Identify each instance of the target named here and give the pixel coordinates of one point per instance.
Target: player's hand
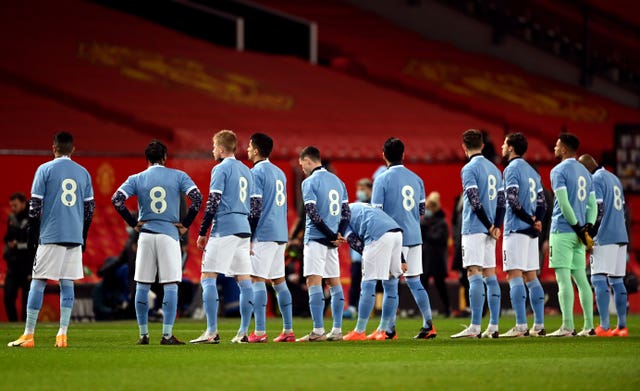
(251, 249)
(404, 267)
(138, 226)
(201, 242)
(537, 226)
(583, 235)
(496, 232)
(181, 228)
(340, 240)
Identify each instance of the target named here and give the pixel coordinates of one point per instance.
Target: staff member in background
(18, 256)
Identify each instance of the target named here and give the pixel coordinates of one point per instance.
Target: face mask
(428, 213)
(362, 196)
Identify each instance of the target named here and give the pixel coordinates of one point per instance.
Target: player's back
(575, 178)
(399, 192)
(271, 184)
(234, 181)
(609, 189)
(370, 223)
(482, 174)
(159, 190)
(328, 193)
(521, 175)
(63, 185)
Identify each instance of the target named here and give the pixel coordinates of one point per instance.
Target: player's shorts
(55, 262)
(228, 255)
(320, 260)
(610, 259)
(520, 252)
(478, 250)
(158, 254)
(382, 257)
(268, 259)
(566, 251)
(413, 257)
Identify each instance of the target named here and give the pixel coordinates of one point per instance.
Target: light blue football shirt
(608, 190)
(522, 176)
(328, 193)
(63, 186)
(234, 181)
(480, 173)
(399, 192)
(270, 184)
(159, 190)
(575, 178)
(369, 223)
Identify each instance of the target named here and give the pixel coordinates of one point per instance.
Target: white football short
(413, 257)
(320, 260)
(55, 262)
(228, 255)
(610, 259)
(268, 259)
(158, 254)
(520, 252)
(478, 250)
(382, 257)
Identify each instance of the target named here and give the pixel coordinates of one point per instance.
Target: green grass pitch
(103, 356)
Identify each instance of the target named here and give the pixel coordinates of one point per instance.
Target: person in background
(18, 256)
(363, 194)
(435, 240)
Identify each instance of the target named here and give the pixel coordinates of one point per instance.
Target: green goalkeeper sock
(565, 297)
(586, 296)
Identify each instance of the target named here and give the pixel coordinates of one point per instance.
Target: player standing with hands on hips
(60, 213)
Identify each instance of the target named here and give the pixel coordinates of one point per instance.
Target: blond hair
(226, 139)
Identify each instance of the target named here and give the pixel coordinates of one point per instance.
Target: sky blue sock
(169, 308)
(620, 298)
(493, 299)
(210, 301)
(142, 307)
(365, 306)
(389, 304)
(536, 298)
(337, 305)
(284, 303)
(66, 302)
(518, 295)
(421, 297)
(601, 290)
(246, 305)
(260, 305)
(316, 305)
(476, 298)
(34, 303)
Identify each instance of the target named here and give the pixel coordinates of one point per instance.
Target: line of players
(246, 214)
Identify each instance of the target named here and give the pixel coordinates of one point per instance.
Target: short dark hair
(519, 143)
(155, 152)
(472, 139)
(311, 152)
(263, 143)
(18, 195)
(570, 141)
(393, 149)
(63, 142)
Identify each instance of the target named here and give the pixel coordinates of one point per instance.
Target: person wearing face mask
(435, 240)
(363, 194)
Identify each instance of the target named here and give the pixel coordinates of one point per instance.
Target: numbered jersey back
(483, 175)
(520, 175)
(159, 190)
(234, 181)
(573, 177)
(64, 186)
(328, 193)
(399, 192)
(270, 184)
(608, 190)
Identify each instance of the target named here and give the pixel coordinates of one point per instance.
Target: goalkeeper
(574, 212)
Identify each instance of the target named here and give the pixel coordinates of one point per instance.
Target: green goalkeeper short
(566, 251)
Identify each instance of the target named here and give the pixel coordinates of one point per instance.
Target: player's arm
(592, 209)
(474, 200)
(541, 206)
(213, 202)
(596, 226)
(254, 212)
(568, 213)
(312, 211)
(118, 200)
(196, 203)
(89, 209)
(345, 216)
(515, 205)
(355, 242)
(33, 228)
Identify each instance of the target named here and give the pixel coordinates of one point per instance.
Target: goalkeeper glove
(583, 235)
